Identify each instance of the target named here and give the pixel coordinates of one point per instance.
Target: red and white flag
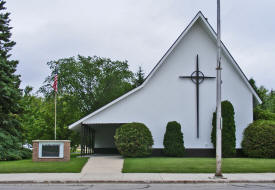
(55, 83)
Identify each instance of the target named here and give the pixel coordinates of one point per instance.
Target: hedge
(259, 139)
(134, 140)
(228, 130)
(173, 140)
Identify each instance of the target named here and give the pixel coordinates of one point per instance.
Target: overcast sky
(139, 31)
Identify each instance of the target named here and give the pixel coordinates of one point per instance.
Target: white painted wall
(166, 97)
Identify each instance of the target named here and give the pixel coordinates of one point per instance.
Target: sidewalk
(134, 178)
(107, 169)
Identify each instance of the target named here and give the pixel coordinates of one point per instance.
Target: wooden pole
(218, 108)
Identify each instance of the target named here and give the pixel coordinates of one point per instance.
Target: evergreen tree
(173, 140)
(139, 77)
(228, 130)
(10, 94)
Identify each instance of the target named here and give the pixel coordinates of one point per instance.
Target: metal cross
(197, 77)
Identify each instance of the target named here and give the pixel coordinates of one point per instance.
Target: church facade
(182, 88)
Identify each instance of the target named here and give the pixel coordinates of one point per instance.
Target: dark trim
(239, 153)
(106, 151)
(199, 152)
(158, 152)
(196, 152)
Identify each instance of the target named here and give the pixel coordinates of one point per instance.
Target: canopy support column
(87, 140)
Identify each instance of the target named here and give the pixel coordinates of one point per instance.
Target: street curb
(135, 181)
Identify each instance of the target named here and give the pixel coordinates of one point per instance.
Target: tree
(88, 82)
(38, 118)
(10, 94)
(31, 119)
(228, 130)
(84, 85)
(267, 97)
(139, 77)
(173, 140)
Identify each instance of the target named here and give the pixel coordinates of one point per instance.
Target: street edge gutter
(135, 181)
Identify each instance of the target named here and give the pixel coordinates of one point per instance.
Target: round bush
(228, 130)
(173, 140)
(259, 139)
(134, 140)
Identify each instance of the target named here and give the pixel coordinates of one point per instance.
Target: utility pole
(218, 108)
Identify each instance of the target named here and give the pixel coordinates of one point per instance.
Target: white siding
(166, 97)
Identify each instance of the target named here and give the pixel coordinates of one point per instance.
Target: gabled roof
(213, 34)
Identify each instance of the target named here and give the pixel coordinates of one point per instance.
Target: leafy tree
(228, 130)
(10, 94)
(260, 114)
(267, 97)
(84, 85)
(271, 101)
(88, 83)
(139, 77)
(32, 118)
(38, 118)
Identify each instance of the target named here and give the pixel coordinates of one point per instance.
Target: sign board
(50, 150)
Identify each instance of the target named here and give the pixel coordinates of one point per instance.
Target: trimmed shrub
(173, 140)
(228, 130)
(259, 139)
(134, 140)
(26, 153)
(259, 114)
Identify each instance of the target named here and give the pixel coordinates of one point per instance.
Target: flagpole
(54, 115)
(218, 108)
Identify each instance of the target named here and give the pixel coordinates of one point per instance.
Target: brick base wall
(35, 153)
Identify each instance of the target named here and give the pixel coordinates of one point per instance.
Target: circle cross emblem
(197, 77)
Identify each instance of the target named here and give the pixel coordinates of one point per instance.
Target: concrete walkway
(107, 169)
(103, 165)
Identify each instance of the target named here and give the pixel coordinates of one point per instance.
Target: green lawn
(28, 166)
(197, 165)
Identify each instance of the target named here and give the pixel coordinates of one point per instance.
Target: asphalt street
(227, 186)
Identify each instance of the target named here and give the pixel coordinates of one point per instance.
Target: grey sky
(139, 31)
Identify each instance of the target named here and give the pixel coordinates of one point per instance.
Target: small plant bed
(197, 165)
(28, 166)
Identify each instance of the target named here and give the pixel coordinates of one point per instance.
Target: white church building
(182, 88)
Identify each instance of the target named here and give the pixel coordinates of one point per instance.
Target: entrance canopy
(98, 138)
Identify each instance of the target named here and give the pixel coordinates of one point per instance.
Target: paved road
(138, 187)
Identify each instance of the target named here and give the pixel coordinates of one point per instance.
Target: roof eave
(199, 15)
